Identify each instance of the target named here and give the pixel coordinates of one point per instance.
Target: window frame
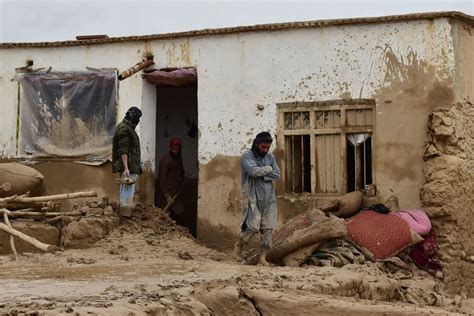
(312, 106)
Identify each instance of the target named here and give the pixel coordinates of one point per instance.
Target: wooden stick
(38, 244)
(12, 239)
(46, 214)
(17, 205)
(49, 197)
(168, 205)
(54, 219)
(23, 210)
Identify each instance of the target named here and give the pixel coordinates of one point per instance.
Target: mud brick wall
(448, 191)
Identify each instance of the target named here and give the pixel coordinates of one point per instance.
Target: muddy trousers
(265, 237)
(127, 191)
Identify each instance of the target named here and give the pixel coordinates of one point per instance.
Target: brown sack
(296, 258)
(303, 230)
(20, 178)
(346, 206)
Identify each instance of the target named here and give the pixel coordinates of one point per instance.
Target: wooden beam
(38, 244)
(12, 239)
(47, 198)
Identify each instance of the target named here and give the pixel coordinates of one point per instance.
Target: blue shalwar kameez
(258, 194)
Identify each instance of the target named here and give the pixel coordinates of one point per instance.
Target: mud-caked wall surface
(448, 191)
(219, 202)
(68, 177)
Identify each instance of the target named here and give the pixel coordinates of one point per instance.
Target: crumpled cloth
(418, 220)
(423, 255)
(336, 253)
(396, 268)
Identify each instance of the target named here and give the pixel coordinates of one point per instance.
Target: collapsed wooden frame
(40, 202)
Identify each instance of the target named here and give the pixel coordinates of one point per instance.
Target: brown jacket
(171, 174)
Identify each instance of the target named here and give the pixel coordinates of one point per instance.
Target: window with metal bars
(328, 145)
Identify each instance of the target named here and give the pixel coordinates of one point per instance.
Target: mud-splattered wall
(463, 34)
(448, 191)
(407, 67)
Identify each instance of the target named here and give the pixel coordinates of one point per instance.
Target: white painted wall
(237, 72)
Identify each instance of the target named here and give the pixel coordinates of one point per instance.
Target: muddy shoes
(238, 249)
(126, 212)
(263, 259)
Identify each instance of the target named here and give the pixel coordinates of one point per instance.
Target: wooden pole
(148, 61)
(12, 239)
(12, 206)
(47, 198)
(38, 244)
(168, 205)
(46, 214)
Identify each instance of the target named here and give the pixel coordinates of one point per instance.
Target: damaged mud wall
(406, 68)
(66, 177)
(448, 191)
(219, 202)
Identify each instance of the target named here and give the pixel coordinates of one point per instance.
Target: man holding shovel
(126, 158)
(171, 179)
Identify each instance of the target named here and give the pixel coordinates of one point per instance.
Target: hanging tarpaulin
(175, 77)
(357, 139)
(67, 114)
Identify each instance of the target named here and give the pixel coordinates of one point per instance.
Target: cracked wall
(448, 191)
(407, 67)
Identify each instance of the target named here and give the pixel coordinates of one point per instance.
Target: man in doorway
(171, 179)
(258, 171)
(126, 158)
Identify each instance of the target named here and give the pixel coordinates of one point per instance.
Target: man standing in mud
(170, 179)
(258, 171)
(126, 158)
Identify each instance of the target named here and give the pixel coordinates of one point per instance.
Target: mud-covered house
(351, 102)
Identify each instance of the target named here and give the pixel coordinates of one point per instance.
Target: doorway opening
(177, 117)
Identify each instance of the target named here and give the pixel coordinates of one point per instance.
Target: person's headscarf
(263, 137)
(176, 141)
(133, 115)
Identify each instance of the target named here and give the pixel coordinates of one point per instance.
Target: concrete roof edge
(253, 28)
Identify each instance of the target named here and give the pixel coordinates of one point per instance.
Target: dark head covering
(133, 115)
(263, 137)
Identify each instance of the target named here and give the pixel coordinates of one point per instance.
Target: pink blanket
(416, 219)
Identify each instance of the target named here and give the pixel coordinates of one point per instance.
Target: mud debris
(149, 265)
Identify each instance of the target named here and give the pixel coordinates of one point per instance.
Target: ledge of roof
(259, 27)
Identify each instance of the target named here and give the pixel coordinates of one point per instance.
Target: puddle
(86, 272)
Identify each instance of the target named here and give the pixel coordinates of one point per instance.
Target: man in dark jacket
(126, 158)
(171, 177)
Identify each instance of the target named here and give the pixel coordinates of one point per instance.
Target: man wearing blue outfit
(258, 171)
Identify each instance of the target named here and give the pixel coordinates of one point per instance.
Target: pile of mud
(150, 217)
(148, 265)
(100, 219)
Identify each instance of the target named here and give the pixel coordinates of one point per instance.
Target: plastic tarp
(68, 114)
(177, 77)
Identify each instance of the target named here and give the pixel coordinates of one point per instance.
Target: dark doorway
(177, 117)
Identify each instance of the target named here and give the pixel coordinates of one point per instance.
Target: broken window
(67, 114)
(328, 145)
